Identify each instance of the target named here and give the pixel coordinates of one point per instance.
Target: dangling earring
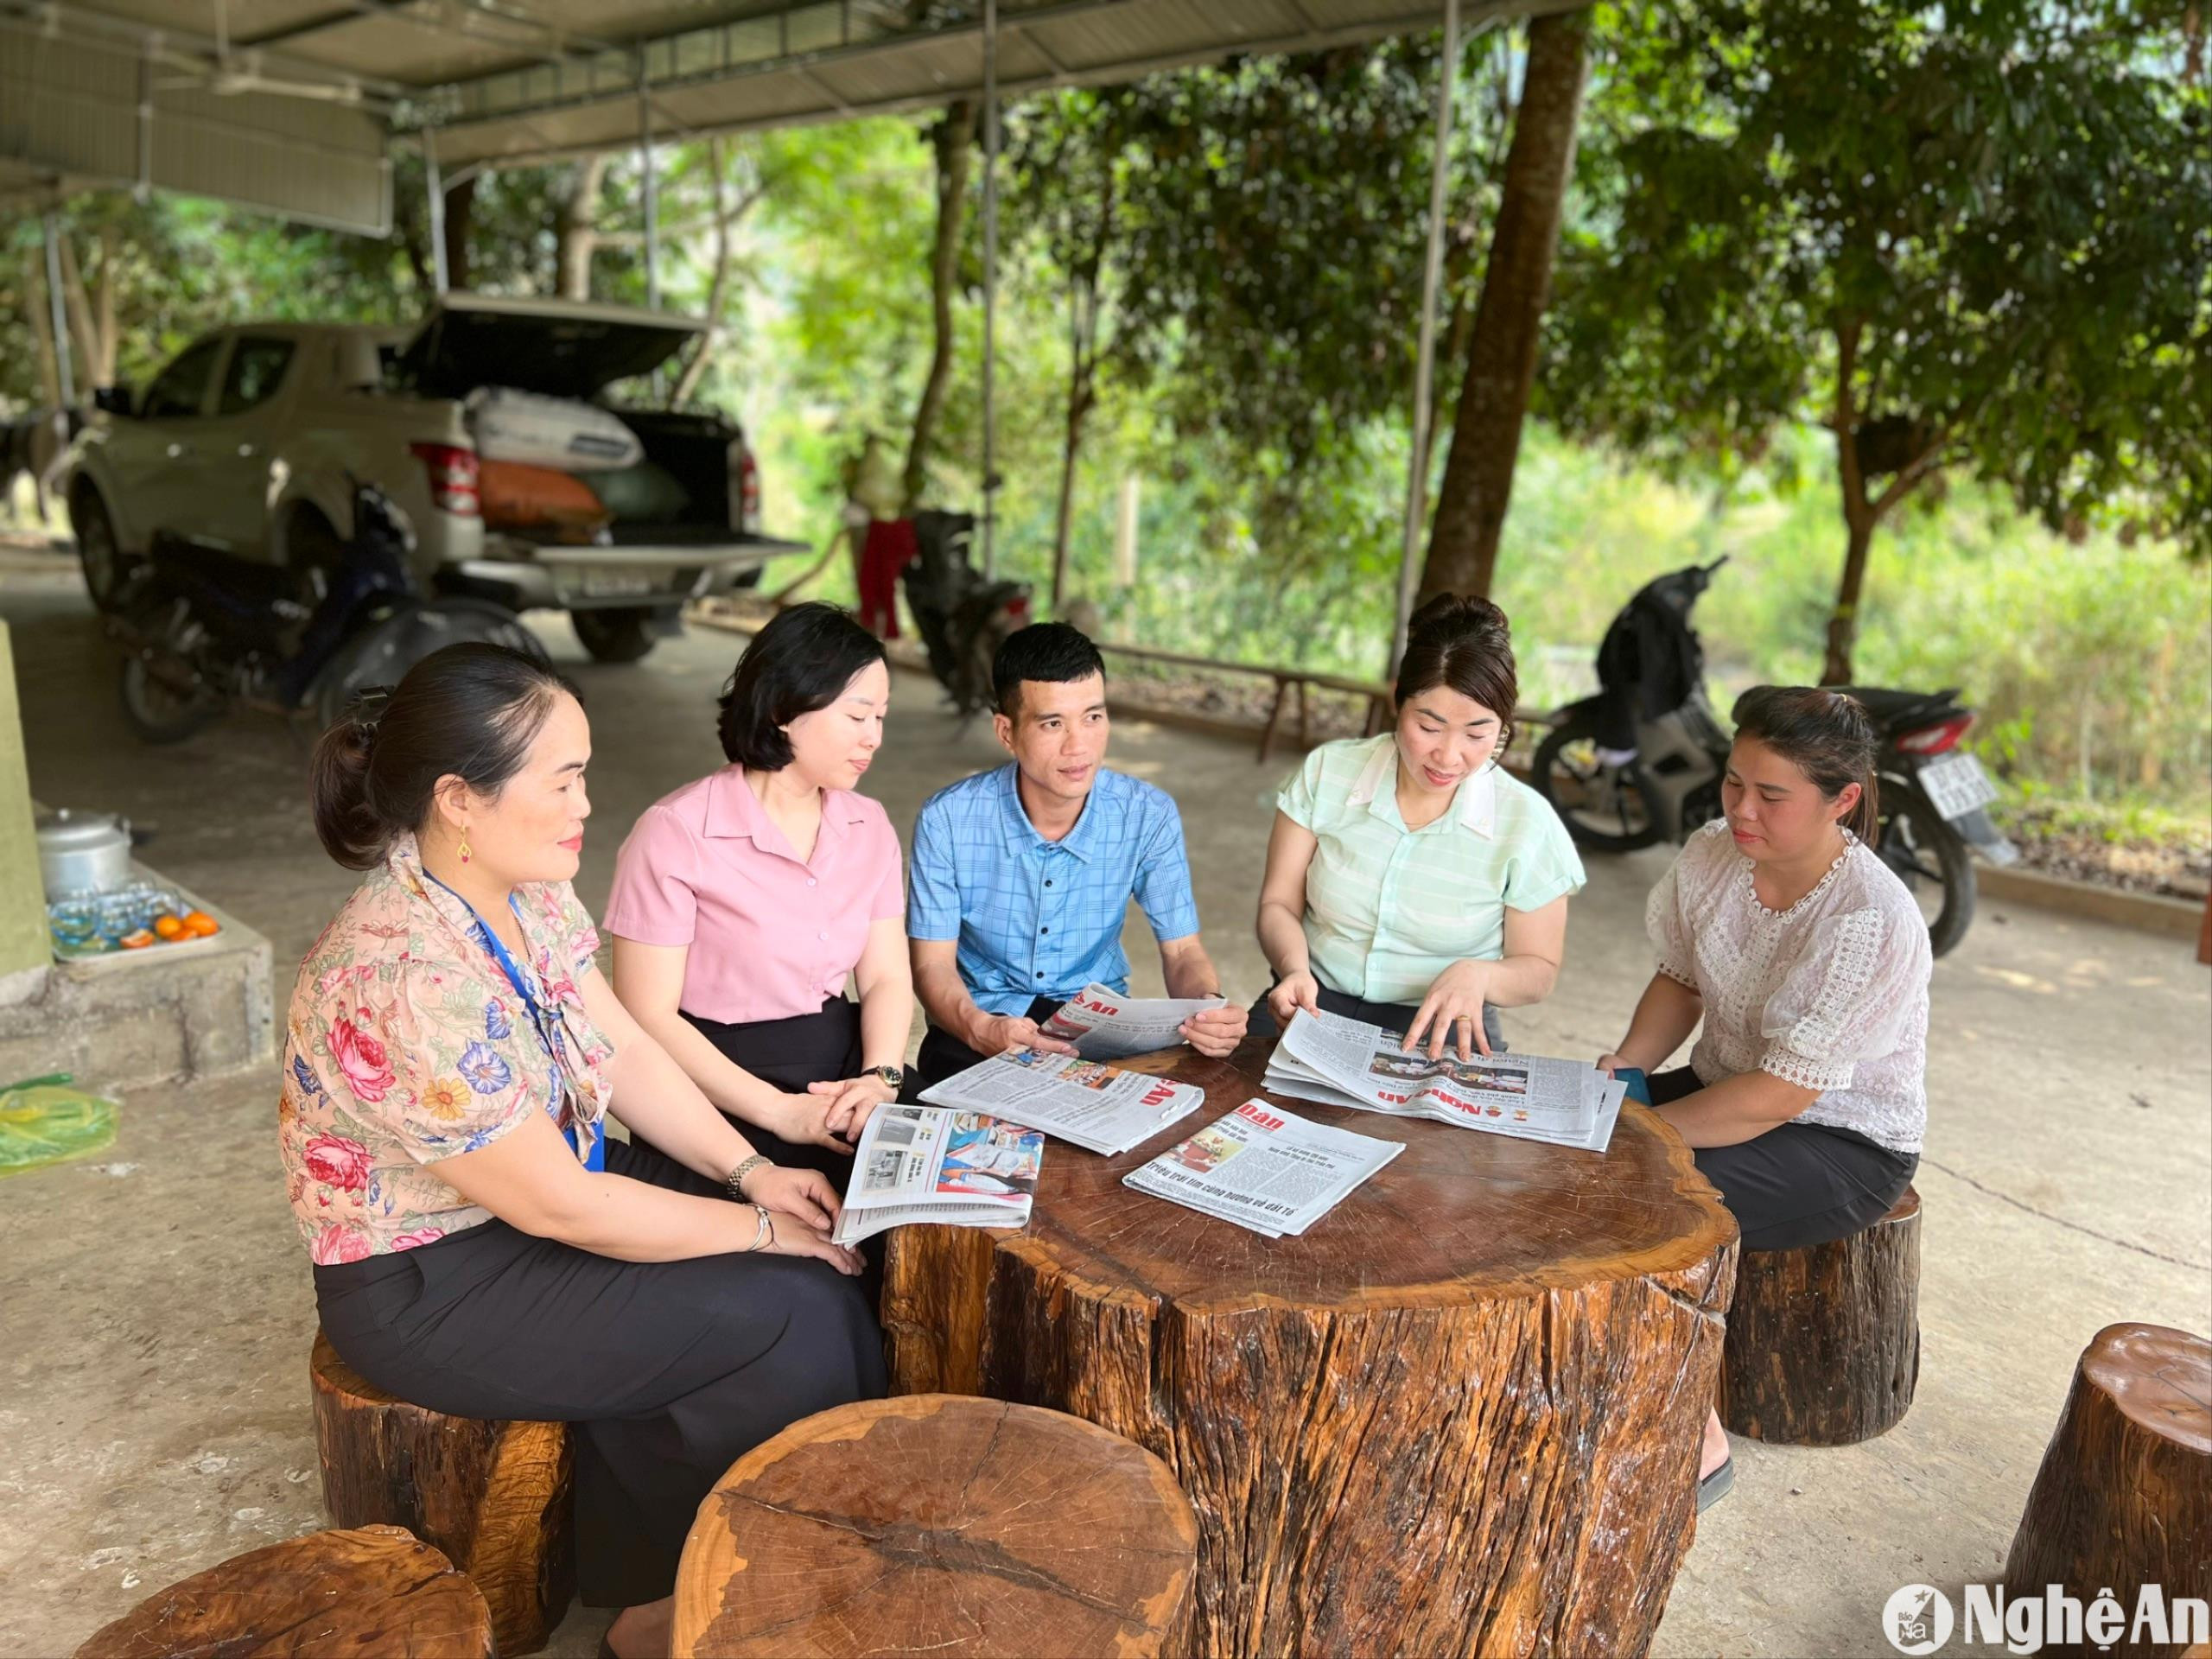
(464, 847)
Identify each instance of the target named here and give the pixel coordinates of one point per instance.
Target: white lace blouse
(1831, 994)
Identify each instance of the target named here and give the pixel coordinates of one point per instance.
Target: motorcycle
(202, 631)
(1641, 761)
(964, 615)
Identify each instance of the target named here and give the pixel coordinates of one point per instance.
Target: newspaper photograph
(1100, 1108)
(1103, 1025)
(1263, 1168)
(1326, 1057)
(929, 1164)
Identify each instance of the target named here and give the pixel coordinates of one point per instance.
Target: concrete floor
(153, 1402)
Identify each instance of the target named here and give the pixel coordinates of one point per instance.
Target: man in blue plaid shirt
(1020, 877)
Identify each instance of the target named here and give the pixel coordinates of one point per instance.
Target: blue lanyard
(555, 1050)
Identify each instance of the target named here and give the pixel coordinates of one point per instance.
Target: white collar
(1475, 805)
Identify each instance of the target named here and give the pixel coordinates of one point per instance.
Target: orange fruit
(170, 927)
(202, 924)
(138, 941)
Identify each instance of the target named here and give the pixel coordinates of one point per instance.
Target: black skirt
(672, 1369)
(1797, 1184)
(788, 1054)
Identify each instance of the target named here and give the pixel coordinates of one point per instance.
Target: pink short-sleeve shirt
(771, 934)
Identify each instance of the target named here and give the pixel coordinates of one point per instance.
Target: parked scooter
(1641, 761)
(201, 630)
(964, 615)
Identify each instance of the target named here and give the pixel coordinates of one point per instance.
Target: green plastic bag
(43, 1121)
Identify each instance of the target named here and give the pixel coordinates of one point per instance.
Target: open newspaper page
(1098, 1106)
(929, 1164)
(1567, 1103)
(1263, 1168)
(1103, 1025)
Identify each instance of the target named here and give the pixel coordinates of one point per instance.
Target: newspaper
(1343, 1062)
(1100, 1108)
(925, 1164)
(1103, 1025)
(1263, 1168)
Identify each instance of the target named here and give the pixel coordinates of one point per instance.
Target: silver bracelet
(763, 1235)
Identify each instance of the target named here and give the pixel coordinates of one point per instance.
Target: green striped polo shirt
(1387, 908)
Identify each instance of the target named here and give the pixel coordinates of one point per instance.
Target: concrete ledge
(2152, 912)
(167, 1014)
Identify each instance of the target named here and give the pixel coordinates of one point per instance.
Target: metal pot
(84, 852)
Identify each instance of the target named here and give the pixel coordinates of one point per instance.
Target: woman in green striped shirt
(1411, 883)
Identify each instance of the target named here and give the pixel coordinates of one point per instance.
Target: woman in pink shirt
(745, 901)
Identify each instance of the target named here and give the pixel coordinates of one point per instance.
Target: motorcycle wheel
(1930, 858)
(1601, 806)
(382, 651)
(615, 636)
(158, 713)
(107, 569)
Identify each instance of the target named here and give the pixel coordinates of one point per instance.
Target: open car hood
(561, 348)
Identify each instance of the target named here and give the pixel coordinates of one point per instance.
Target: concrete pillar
(23, 945)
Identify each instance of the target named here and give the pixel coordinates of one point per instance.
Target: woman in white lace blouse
(1808, 961)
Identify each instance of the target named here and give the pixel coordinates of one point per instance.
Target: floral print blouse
(406, 1043)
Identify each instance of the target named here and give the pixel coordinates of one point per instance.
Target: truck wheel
(621, 635)
(107, 568)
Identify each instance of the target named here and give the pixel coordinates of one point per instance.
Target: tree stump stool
(1823, 1345)
(1461, 1416)
(493, 1495)
(2123, 1498)
(372, 1591)
(939, 1525)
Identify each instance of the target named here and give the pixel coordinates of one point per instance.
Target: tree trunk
(1478, 483)
(718, 289)
(1082, 322)
(1843, 625)
(41, 312)
(955, 139)
(461, 206)
(103, 311)
(84, 337)
(576, 230)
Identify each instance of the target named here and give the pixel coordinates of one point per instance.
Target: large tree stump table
(372, 1591)
(495, 1497)
(2124, 1497)
(1823, 1344)
(1460, 1416)
(943, 1525)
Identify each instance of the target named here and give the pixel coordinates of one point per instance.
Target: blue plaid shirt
(1037, 918)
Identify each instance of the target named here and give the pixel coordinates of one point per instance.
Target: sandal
(1716, 1485)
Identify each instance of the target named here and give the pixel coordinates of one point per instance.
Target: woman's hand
(1294, 991)
(789, 1235)
(1451, 1013)
(804, 1120)
(804, 1194)
(1610, 1063)
(850, 1100)
(1216, 1033)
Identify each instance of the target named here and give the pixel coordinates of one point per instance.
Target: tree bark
(576, 226)
(1081, 366)
(1478, 485)
(370, 1589)
(937, 1522)
(695, 369)
(84, 340)
(41, 312)
(461, 207)
(954, 139)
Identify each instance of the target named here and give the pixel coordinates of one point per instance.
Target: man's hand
(1216, 1033)
(994, 1033)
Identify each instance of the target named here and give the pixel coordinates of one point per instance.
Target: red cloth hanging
(889, 549)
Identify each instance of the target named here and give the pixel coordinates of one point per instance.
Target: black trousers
(788, 1054)
(1797, 1184)
(942, 1055)
(672, 1369)
(1259, 1020)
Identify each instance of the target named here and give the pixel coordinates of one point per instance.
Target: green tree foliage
(1957, 238)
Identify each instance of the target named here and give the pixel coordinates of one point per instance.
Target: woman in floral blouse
(480, 1246)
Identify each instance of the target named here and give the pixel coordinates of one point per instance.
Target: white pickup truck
(249, 442)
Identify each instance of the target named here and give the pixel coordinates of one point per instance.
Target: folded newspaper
(1263, 1168)
(1103, 1025)
(925, 1164)
(1098, 1106)
(1343, 1062)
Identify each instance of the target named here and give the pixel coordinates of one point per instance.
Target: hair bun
(364, 712)
(1449, 615)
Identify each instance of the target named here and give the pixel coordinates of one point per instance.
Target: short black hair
(1051, 652)
(801, 661)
